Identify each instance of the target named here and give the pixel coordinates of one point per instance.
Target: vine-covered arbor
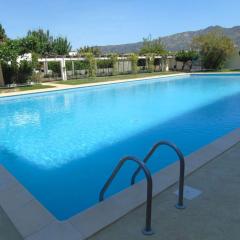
(75, 67)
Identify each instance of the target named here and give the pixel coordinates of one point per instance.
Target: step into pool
(63, 145)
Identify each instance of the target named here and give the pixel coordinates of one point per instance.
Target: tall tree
(92, 64)
(94, 50)
(61, 46)
(134, 61)
(43, 40)
(9, 51)
(214, 48)
(3, 36)
(114, 60)
(153, 46)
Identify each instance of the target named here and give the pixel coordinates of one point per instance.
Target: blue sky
(96, 22)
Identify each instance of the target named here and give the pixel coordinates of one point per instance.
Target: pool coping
(60, 87)
(35, 222)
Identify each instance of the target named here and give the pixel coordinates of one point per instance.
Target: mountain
(177, 41)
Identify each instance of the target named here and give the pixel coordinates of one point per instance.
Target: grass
(112, 78)
(25, 88)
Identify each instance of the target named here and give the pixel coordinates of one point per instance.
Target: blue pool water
(63, 145)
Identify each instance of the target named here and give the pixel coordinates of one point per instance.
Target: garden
(210, 51)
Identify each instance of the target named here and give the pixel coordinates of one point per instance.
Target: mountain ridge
(177, 41)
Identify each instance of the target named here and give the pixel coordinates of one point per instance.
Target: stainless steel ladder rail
(148, 229)
(180, 204)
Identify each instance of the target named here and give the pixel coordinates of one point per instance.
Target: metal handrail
(148, 229)
(180, 204)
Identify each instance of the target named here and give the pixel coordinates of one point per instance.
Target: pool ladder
(142, 166)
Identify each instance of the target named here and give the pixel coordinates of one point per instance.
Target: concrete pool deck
(7, 229)
(213, 215)
(216, 212)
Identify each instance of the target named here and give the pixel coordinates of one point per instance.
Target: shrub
(9, 73)
(80, 65)
(17, 73)
(150, 62)
(186, 57)
(92, 64)
(55, 67)
(107, 63)
(68, 65)
(134, 62)
(114, 60)
(25, 70)
(214, 48)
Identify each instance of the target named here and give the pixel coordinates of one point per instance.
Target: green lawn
(112, 78)
(26, 88)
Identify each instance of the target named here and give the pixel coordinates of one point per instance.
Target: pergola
(62, 61)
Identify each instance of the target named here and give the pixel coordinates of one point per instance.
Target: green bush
(186, 57)
(9, 73)
(68, 65)
(17, 73)
(55, 67)
(214, 48)
(104, 63)
(114, 60)
(150, 62)
(92, 64)
(134, 62)
(25, 71)
(81, 65)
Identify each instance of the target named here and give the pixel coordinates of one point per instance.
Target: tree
(114, 60)
(92, 64)
(186, 57)
(9, 51)
(30, 44)
(134, 61)
(61, 46)
(3, 36)
(85, 50)
(150, 62)
(13, 71)
(153, 46)
(43, 40)
(214, 48)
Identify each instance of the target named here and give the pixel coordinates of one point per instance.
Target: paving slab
(7, 229)
(212, 215)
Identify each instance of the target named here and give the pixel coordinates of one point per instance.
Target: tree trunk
(190, 66)
(183, 66)
(2, 83)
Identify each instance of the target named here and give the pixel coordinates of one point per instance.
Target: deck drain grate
(190, 193)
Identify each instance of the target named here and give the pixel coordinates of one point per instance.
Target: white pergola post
(73, 68)
(167, 65)
(63, 69)
(45, 67)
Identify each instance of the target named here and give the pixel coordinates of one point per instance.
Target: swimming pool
(63, 145)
